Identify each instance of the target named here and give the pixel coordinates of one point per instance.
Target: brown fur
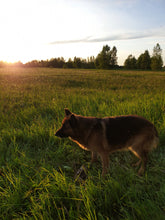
(105, 135)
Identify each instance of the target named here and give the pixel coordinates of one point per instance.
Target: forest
(106, 59)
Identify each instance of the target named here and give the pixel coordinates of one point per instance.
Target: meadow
(37, 169)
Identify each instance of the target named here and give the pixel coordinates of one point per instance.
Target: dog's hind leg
(139, 152)
(144, 156)
(137, 163)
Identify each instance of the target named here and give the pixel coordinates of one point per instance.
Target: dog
(103, 136)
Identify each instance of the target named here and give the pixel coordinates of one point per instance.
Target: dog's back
(122, 129)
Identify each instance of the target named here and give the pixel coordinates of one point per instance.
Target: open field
(37, 169)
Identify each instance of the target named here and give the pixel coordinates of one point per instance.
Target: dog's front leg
(94, 157)
(105, 162)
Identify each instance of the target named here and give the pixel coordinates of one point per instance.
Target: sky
(44, 29)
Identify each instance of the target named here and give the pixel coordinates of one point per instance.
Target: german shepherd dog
(105, 135)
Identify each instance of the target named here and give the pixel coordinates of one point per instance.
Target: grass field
(37, 169)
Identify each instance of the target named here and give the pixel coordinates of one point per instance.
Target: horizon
(41, 30)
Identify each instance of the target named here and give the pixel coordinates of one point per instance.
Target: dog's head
(68, 125)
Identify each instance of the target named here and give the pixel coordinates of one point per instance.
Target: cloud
(113, 37)
(83, 40)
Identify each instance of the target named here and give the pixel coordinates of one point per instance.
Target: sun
(12, 49)
(17, 49)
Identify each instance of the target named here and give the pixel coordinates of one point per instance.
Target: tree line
(106, 59)
(145, 61)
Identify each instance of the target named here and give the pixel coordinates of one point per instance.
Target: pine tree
(156, 60)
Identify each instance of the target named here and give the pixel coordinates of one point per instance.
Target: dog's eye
(65, 125)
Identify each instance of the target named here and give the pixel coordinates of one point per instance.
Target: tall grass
(37, 169)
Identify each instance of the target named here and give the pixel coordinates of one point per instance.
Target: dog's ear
(67, 112)
(73, 121)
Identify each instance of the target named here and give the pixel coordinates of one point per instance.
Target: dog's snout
(57, 133)
(60, 134)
